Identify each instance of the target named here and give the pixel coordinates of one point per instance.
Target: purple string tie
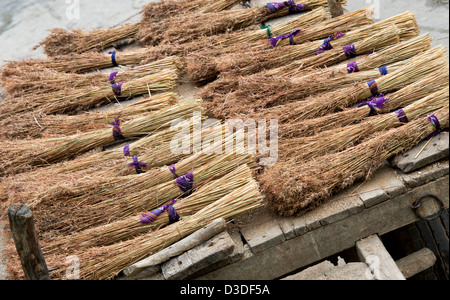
(113, 58)
(375, 104)
(173, 170)
(436, 125)
(352, 67)
(276, 40)
(185, 182)
(383, 70)
(327, 42)
(402, 117)
(350, 50)
(373, 87)
(138, 165)
(126, 150)
(117, 132)
(293, 7)
(116, 86)
(153, 215)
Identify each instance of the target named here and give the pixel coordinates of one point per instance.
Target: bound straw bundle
(107, 262)
(205, 65)
(403, 97)
(20, 156)
(34, 126)
(62, 42)
(314, 107)
(123, 230)
(339, 139)
(130, 196)
(82, 99)
(35, 79)
(302, 186)
(257, 92)
(184, 28)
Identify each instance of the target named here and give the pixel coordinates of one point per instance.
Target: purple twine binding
(402, 117)
(113, 58)
(352, 67)
(116, 86)
(137, 165)
(436, 125)
(276, 6)
(327, 42)
(350, 50)
(373, 87)
(185, 182)
(383, 70)
(173, 170)
(117, 132)
(153, 215)
(276, 40)
(375, 104)
(126, 150)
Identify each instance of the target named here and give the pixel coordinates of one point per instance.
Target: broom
(300, 187)
(82, 99)
(107, 262)
(262, 61)
(339, 139)
(258, 91)
(20, 156)
(129, 197)
(79, 63)
(403, 97)
(34, 126)
(38, 80)
(128, 228)
(62, 42)
(314, 107)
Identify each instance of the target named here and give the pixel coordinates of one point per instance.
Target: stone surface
(414, 159)
(327, 271)
(425, 175)
(192, 261)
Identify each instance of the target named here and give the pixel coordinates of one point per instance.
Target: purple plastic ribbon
(352, 67)
(126, 150)
(327, 42)
(113, 58)
(138, 165)
(436, 125)
(276, 40)
(153, 215)
(350, 50)
(116, 86)
(293, 7)
(173, 170)
(185, 182)
(402, 117)
(373, 87)
(375, 104)
(117, 132)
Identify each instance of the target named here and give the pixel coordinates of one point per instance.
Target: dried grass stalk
(130, 227)
(82, 99)
(403, 97)
(301, 187)
(20, 156)
(107, 262)
(328, 103)
(339, 139)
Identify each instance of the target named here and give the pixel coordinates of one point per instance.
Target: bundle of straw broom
(257, 91)
(403, 97)
(62, 42)
(122, 230)
(20, 156)
(339, 139)
(300, 187)
(419, 66)
(32, 126)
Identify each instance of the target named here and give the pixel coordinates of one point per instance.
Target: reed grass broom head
(301, 187)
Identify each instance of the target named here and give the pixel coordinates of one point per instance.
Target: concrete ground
(24, 23)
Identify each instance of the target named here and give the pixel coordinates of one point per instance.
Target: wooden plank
(27, 244)
(416, 262)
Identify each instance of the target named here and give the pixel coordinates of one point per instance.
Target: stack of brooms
(344, 105)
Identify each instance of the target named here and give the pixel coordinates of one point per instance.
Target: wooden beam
(27, 244)
(416, 262)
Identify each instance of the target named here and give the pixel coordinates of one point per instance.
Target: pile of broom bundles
(257, 92)
(204, 66)
(21, 155)
(61, 42)
(79, 63)
(302, 186)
